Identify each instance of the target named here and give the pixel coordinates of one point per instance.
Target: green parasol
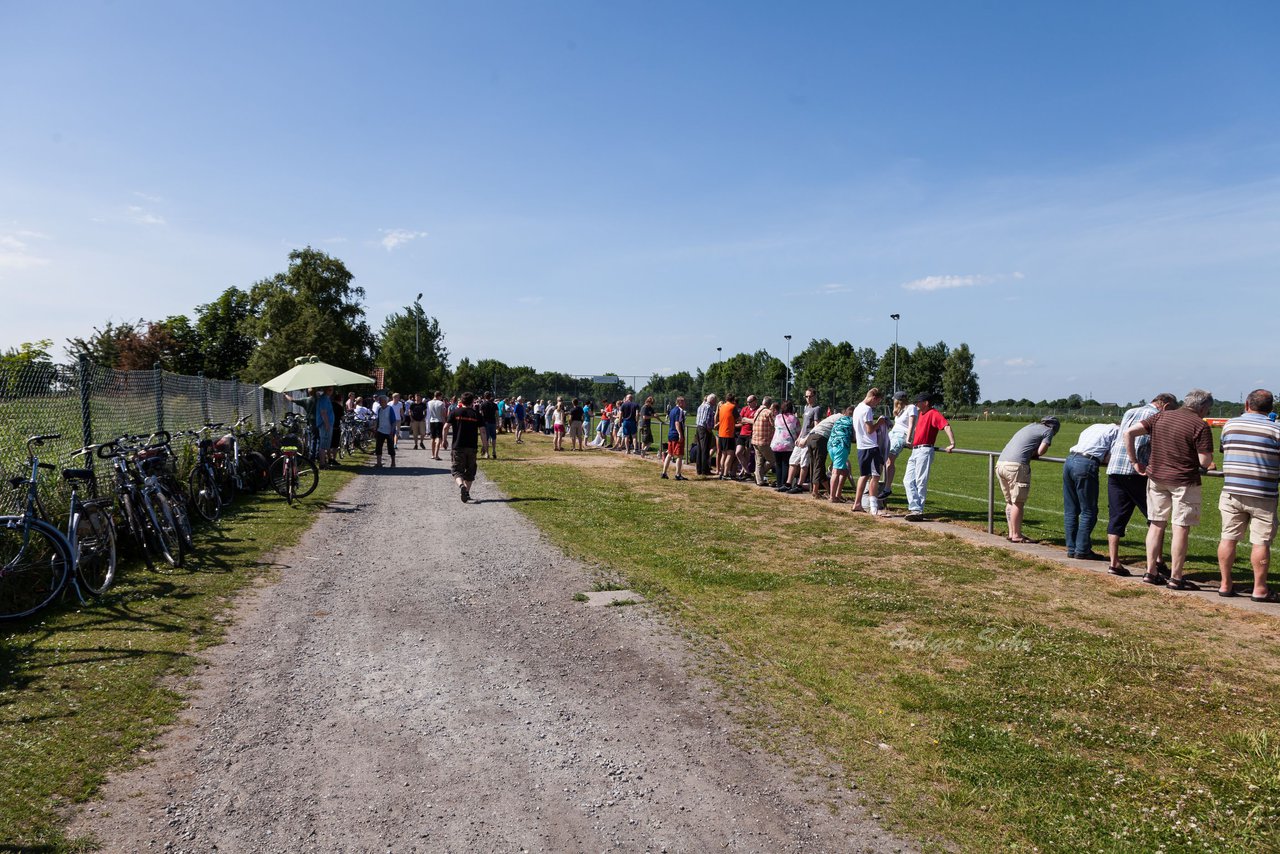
(310, 372)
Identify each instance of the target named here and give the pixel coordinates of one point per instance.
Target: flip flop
(1228, 594)
(1182, 584)
(1271, 598)
(1019, 539)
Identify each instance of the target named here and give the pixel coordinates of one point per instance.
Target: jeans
(1080, 502)
(916, 479)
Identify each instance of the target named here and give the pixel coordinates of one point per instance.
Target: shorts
(417, 429)
(491, 431)
(839, 452)
(628, 428)
(799, 457)
(463, 463)
(437, 429)
(1259, 514)
(1015, 482)
(744, 441)
(870, 462)
(897, 441)
(1181, 504)
(558, 429)
(575, 429)
(675, 448)
(1125, 493)
(727, 444)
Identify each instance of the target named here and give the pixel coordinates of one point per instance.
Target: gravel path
(421, 680)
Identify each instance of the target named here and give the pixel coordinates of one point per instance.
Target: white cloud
(1019, 362)
(144, 217)
(15, 250)
(940, 283)
(147, 197)
(834, 288)
(396, 237)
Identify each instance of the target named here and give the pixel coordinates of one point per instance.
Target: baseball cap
(900, 395)
(922, 397)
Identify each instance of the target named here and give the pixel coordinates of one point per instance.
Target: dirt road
(420, 679)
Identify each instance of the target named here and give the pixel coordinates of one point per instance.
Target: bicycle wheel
(95, 549)
(164, 533)
(306, 476)
(181, 518)
(34, 561)
(279, 476)
(204, 494)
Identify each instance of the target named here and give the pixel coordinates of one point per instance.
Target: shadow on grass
(516, 500)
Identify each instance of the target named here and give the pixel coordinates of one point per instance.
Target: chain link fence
(88, 403)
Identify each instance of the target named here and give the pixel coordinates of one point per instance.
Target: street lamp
(416, 303)
(896, 318)
(786, 383)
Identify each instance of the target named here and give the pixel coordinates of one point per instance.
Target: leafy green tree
(412, 350)
(836, 371)
(310, 309)
(222, 329)
(924, 374)
(103, 346)
(883, 376)
(27, 369)
(747, 373)
(959, 380)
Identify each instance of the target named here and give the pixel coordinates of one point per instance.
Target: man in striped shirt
(1251, 472)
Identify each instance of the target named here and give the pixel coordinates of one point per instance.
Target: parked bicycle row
(148, 492)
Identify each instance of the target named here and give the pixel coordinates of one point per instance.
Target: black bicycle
(146, 508)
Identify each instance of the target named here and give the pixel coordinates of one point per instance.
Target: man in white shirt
(870, 457)
(437, 414)
(1080, 487)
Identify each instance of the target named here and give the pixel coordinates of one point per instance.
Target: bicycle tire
(181, 518)
(137, 528)
(204, 494)
(95, 549)
(164, 539)
(34, 562)
(306, 478)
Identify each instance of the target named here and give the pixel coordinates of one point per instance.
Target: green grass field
(958, 493)
(981, 700)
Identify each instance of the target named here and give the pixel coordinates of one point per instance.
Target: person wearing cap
(915, 480)
(1013, 469)
(904, 421)
(1080, 487)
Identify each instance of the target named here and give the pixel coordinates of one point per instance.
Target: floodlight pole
(418, 310)
(896, 318)
(786, 383)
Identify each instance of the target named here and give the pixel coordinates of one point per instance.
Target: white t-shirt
(900, 423)
(435, 411)
(557, 418)
(863, 417)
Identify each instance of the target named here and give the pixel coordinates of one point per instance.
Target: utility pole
(786, 384)
(896, 318)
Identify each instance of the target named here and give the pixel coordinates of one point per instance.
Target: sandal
(1153, 578)
(1019, 539)
(1119, 571)
(1229, 593)
(1271, 598)
(1182, 584)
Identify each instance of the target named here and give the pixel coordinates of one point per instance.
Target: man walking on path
(418, 422)
(870, 458)
(1080, 487)
(1181, 447)
(466, 424)
(675, 440)
(489, 415)
(1126, 489)
(386, 422)
(915, 481)
(1013, 470)
(706, 424)
(437, 412)
(1251, 472)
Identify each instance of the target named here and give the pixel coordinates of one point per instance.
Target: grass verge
(980, 700)
(84, 688)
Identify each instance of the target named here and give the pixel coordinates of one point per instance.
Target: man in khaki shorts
(1013, 469)
(1251, 472)
(1181, 448)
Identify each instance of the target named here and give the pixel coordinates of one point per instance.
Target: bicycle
(146, 508)
(293, 474)
(156, 459)
(206, 496)
(36, 558)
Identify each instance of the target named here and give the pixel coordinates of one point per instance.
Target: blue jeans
(916, 479)
(1080, 502)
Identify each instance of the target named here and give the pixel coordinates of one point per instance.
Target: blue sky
(1088, 194)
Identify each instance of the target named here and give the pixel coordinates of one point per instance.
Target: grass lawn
(83, 688)
(979, 700)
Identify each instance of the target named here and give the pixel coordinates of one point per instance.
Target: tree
(959, 381)
(412, 350)
(104, 345)
(836, 371)
(747, 373)
(222, 328)
(924, 374)
(310, 309)
(883, 377)
(27, 369)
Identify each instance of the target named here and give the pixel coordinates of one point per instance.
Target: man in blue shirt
(675, 440)
(518, 410)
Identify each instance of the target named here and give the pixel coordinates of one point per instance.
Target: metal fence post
(204, 397)
(991, 493)
(257, 393)
(235, 396)
(159, 397)
(86, 414)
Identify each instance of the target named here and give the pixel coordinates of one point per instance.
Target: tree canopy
(411, 348)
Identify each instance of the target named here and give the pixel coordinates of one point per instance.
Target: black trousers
(706, 438)
(379, 439)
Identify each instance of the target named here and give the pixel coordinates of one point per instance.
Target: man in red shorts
(675, 440)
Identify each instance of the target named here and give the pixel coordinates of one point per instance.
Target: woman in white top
(904, 423)
(557, 423)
